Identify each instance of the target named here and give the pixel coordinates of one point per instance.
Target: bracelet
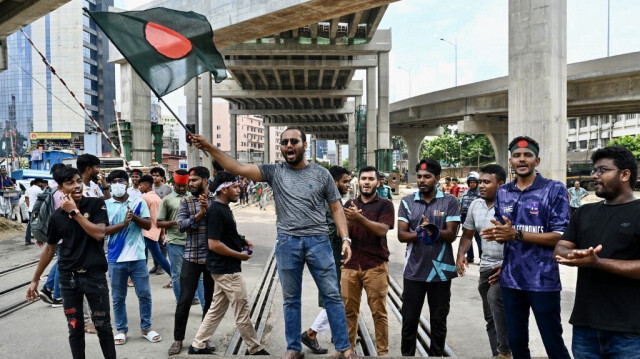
(108, 188)
(347, 239)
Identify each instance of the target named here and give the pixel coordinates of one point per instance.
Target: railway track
(14, 306)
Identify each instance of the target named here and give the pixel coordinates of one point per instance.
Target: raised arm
(229, 163)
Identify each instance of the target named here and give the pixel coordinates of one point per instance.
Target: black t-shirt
(222, 226)
(78, 250)
(604, 300)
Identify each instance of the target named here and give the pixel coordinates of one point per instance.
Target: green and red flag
(165, 47)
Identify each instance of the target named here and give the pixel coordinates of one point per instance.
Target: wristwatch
(519, 235)
(106, 188)
(73, 212)
(347, 239)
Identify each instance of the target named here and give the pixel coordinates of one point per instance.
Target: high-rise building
(593, 132)
(31, 97)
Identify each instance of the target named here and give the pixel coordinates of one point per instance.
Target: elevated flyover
(290, 61)
(603, 86)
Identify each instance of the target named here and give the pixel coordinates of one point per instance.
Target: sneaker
(205, 350)
(160, 271)
(57, 303)
(196, 301)
(168, 285)
(153, 270)
(259, 352)
(46, 295)
(28, 243)
(312, 344)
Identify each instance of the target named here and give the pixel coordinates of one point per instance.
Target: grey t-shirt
(162, 191)
(478, 218)
(299, 195)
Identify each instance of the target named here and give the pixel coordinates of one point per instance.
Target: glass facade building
(78, 51)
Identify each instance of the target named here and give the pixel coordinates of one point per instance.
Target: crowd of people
(524, 229)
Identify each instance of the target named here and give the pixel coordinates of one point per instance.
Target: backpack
(42, 210)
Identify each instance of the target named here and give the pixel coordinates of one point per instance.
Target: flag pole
(180, 122)
(87, 113)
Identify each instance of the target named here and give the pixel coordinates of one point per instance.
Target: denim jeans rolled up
(119, 274)
(291, 254)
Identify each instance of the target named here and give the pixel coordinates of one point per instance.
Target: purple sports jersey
(541, 208)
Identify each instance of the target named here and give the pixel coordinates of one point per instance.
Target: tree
(345, 163)
(454, 149)
(630, 142)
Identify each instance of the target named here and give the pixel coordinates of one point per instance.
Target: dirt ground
(10, 229)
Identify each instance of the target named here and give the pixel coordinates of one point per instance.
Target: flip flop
(120, 338)
(151, 335)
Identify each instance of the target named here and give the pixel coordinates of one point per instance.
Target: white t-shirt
(33, 192)
(93, 190)
(134, 193)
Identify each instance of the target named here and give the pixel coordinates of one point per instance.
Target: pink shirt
(153, 202)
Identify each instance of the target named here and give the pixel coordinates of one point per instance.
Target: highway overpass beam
(495, 129)
(193, 157)
(135, 106)
(538, 79)
(207, 115)
(372, 123)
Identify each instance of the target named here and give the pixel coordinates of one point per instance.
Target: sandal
(120, 338)
(152, 336)
(90, 328)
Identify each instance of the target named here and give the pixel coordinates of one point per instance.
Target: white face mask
(118, 189)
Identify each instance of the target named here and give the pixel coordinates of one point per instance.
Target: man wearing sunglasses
(531, 213)
(300, 190)
(602, 241)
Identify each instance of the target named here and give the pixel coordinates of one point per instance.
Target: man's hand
(495, 277)
(244, 256)
(32, 291)
(102, 181)
(201, 142)
(352, 213)
(581, 257)
(461, 265)
(425, 221)
(68, 204)
(346, 252)
(499, 232)
(248, 244)
(204, 203)
(128, 217)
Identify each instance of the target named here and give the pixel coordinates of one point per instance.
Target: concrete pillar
(500, 141)
(413, 147)
(538, 79)
(372, 123)
(4, 62)
(266, 157)
(136, 108)
(313, 148)
(207, 115)
(383, 101)
(191, 92)
(233, 135)
(353, 152)
(495, 129)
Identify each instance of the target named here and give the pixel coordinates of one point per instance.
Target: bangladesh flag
(167, 48)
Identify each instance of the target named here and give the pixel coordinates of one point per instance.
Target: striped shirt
(197, 245)
(430, 263)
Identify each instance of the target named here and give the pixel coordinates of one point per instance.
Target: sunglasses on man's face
(285, 142)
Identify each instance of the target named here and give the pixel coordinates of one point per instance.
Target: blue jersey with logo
(541, 208)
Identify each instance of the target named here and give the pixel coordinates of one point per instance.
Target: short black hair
(182, 172)
(65, 174)
(200, 171)
(56, 167)
(222, 177)
(147, 178)
(497, 170)
(136, 170)
(622, 157)
(217, 166)
(337, 172)
(431, 164)
(447, 178)
(368, 169)
(85, 161)
(302, 134)
(520, 138)
(35, 181)
(118, 174)
(158, 170)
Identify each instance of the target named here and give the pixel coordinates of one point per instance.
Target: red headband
(180, 179)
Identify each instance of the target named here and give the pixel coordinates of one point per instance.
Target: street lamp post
(455, 49)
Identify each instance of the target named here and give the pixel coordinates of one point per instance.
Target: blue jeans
(156, 253)
(176, 253)
(53, 280)
(291, 254)
(595, 344)
(546, 309)
(119, 273)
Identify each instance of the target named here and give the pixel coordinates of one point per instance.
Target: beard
(297, 159)
(367, 194)
(197, 192)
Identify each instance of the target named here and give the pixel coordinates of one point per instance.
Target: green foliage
(345, 163)
(453, 149)
(630, 142)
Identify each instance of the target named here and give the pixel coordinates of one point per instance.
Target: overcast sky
(420, 58)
